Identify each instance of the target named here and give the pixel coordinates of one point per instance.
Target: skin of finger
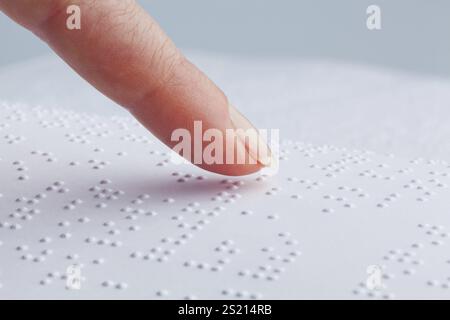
(204, 103)
(124, 53)
(31, 13)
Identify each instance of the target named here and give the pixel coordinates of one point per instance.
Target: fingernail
(258, 150)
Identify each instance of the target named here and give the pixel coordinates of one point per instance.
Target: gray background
(415, 34)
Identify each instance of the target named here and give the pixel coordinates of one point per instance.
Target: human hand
(124, 53)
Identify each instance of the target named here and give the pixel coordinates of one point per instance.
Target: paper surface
(92, 207)
(324, 102)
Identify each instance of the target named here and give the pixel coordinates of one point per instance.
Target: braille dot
(162, 259)
(27, 257)
(45, 240)
(39, 259)
(136, 254)
(244, 273)
(216, 268)
(203, 266)
(151, 213)
(64, 224)
(223, 261)
(291, 242)
(101, 205)
(272, 277)
(121, 286)
(433, 283)
(98, 261)
(162, 293)
(73, 256)
(148, 256)
(54, 275)
(409, 271)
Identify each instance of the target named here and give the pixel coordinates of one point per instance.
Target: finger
(123, 52)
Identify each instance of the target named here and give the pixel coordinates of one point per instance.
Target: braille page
(327, 102)
(93, 207)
